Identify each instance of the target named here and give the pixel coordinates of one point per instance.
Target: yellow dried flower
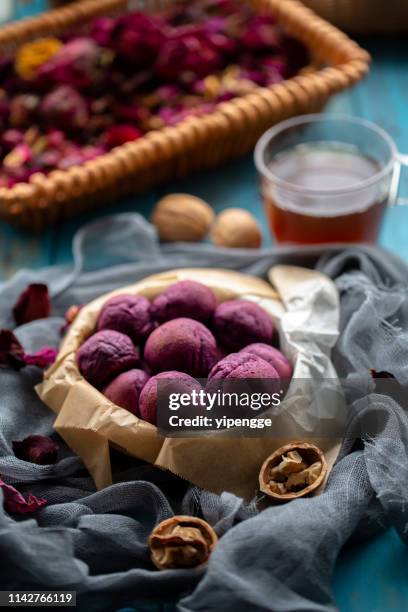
(34, 54)
(212, 86)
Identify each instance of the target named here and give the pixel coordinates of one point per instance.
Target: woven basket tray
(364, 16)
(197, 142)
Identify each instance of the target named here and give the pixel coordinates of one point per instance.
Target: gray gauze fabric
(279, 559)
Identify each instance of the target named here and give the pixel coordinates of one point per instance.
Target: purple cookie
(125, 389)
(105, 355)
(129, 314)
(177, 382)
(184, 299)
(242, 365)
(238, 323)
(273, 356)
(182, 344)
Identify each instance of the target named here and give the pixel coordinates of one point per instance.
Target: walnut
(236, 228)
(293, 471)
(182, 217)
(181, 541)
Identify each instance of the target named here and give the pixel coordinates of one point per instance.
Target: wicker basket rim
(352, 58)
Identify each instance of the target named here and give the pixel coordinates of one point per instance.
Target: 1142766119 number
(37, 598)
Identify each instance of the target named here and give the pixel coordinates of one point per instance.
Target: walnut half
(294, 470)
(181, 541)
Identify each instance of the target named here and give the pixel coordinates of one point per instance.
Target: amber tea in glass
(326, 179)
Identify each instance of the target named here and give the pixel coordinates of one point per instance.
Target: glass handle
(399, 184)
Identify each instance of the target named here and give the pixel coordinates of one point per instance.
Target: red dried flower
(119, 134)
(138, 38)
(11, 351)
(64, 108)
(34, 303)
(102, 30)
(15, 503)
(36, 449)
(23, 109)
(261, 34)
(42, 358)
(79, 64)
(18, 158)
(381, 374)
(188, 56)
(11, 138)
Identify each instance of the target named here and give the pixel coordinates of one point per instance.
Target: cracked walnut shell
(182, 217)
(294, 470)
(180, 542)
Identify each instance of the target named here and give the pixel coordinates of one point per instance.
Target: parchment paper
(304, 306)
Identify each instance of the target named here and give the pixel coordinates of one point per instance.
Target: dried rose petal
(261, 34)
(119, 134)
(382, 374)
(18, 157)
(34, 303)
(138, 37)
(23, 109)
(36, 449)
(64, 108)
(11, 139)
(187, 57)
(15, 503)
(79, 63)
(42, 358)
(11, 351)
(101, 31)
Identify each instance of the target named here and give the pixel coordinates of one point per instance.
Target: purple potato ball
(129, 314)
(177, 382)
(125, 389)
(273, 356)
(237, 323)
(182, 344)
(244, 373)
(242, 365)
(184, 299)
(105, 355)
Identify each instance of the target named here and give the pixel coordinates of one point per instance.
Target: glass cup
(327, 178)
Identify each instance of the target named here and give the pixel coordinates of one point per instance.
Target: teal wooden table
(372, 576)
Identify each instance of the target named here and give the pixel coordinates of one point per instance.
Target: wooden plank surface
(372, 577)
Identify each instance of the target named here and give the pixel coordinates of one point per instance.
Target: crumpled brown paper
(304, 306)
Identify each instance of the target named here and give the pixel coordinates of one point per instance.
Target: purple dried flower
(80, 63)
(42, 358)
(64, 108)
(36, 449)
(138, 38)
(23, 109)
(11, 139)
(56, 139)
(33, 303)
(187, 57)
(261, 34)
(15, 503)
(119, 134)
(102, 30)
(11, 351)
(18, 158)
(131, 113)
